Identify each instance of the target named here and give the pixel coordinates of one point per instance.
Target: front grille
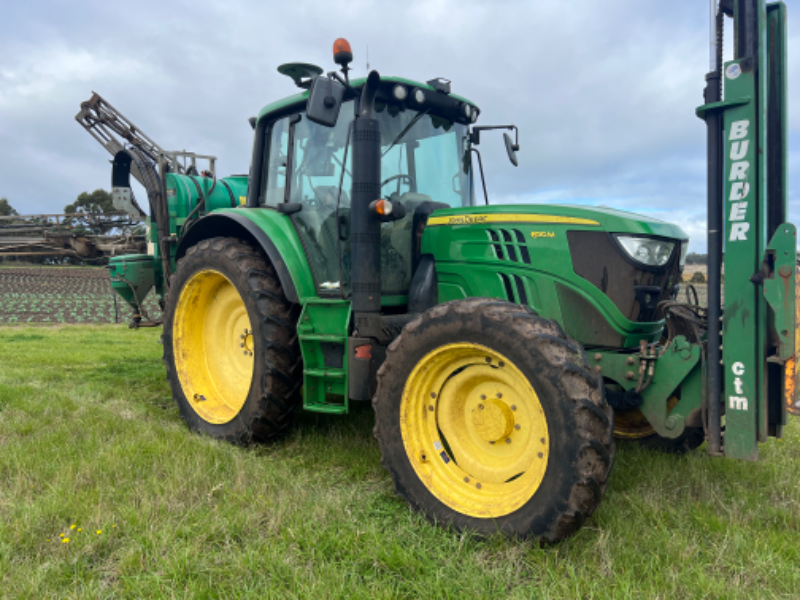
(598, 259)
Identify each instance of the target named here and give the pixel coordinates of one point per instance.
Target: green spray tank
(185, 198)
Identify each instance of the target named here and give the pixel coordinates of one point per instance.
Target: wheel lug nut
(499, 395)
(483, 396)
(516, 426)
(241, 345)
(508, 440)
(466, 479)
(430, 408)
(513, 407)
(480, 406)
(478, 485)
(433, 394)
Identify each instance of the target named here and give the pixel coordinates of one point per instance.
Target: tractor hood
(607, 219)
(566, 262)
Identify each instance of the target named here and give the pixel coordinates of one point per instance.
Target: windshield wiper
(411, 123)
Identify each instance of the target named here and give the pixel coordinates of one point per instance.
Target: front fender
(266, 229)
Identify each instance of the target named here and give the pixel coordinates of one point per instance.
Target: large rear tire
(230, 343)
(490, 420)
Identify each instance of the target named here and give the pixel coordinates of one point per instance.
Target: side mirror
(511, 148)
(324, 101)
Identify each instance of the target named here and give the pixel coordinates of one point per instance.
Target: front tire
(230, 344)
(489, 420)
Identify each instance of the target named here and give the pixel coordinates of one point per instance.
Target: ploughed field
(63, 295)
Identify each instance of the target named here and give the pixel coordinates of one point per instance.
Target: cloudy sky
(603, 92)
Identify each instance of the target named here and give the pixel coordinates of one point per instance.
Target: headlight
(419, 96)
(684, 252)
(474, 116)
(467, 110)
(400, 92)
(648, 251)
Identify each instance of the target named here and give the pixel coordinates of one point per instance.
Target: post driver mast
(751, 334)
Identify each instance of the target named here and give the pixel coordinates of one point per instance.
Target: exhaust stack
(366, 229)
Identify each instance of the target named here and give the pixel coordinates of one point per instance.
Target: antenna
(367, 58)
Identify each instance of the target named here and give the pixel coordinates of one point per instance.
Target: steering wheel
(410, 180)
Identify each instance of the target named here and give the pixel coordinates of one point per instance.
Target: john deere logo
(467, 220)
(543, 234)
(509, 218)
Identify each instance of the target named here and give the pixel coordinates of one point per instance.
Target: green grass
(90, 437)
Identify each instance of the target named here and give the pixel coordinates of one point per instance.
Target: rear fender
(266, 229)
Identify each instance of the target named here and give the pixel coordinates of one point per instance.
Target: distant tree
(6, 210)
(696, 259)
(99, 201)
(89, 210)
(698, 277)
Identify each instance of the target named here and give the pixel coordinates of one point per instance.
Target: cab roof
(281, 105)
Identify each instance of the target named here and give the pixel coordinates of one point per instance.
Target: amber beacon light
(342, 54)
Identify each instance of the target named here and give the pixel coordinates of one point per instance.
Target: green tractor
(503, 348)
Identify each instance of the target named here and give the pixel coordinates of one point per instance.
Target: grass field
(92, 450)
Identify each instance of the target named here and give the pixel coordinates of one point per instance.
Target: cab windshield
(424, 158)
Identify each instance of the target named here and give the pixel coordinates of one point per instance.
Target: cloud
(604, 93)
(40, 73)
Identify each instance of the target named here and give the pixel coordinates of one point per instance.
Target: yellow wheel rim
(213, 346)
(474, 430)
(633, 425)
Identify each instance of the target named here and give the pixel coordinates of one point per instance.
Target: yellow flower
(114, 525)
(72, 526)
(99, 531)
(62, 535)
(79, 529)
(65, 541)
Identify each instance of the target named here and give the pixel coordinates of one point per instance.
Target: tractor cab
(306, 171)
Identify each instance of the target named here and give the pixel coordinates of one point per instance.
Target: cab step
(323, 341)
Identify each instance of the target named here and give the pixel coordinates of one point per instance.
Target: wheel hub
(247, 342)
(213, 346)
(474, 430)
(492, 420)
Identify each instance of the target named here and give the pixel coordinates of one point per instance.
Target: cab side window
(275, 160)
(320, 181)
